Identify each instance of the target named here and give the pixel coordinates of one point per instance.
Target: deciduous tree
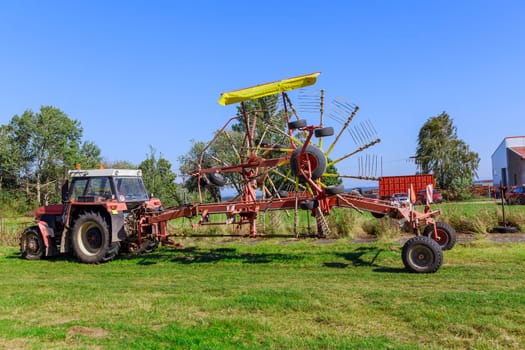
(46, 142)
(159, 178)
(442, 153)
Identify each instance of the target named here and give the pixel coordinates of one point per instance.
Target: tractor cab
(103, 185)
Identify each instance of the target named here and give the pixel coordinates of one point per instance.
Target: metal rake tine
(354, 138)
(366, 132)
(345, 126)
(358, 139)
(361, 134)
(340, 108)
(371, 127)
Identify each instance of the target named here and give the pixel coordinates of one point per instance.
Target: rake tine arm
(354, 152)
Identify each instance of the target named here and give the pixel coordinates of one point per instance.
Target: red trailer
(390, 185)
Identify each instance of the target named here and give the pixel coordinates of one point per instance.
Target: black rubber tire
(335, 189)
(377, 215)
(313, 155)
(90, 238)
(309, 204)
(113, 251)
(283, 194)
(32, 244)
(151, 246)
(217, 179)
(297, 124)
(446, 235)
(328, 131)
(504, 229)
(421, 254)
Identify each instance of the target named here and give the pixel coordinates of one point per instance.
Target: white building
(508, 162)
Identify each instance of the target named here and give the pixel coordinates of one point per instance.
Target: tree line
(38, 148)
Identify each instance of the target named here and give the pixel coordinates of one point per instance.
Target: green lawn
(280, 294)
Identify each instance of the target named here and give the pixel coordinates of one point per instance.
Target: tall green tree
(119, 164)
(9, 160)
(159, 178)
(443, 154)
(90, 155)
(189, 163)
(46, 142)
(269, 118)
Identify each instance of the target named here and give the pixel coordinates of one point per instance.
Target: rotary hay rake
(268, 154)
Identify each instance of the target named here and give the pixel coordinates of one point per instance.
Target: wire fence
(11, 228)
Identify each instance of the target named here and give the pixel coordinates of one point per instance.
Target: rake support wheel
(446, 235)
(422, 254)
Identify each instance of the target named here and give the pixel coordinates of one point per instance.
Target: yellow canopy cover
(267, 89)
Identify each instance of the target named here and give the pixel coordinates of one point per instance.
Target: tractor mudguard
(118, 233)
(46, 232)
(48, 236)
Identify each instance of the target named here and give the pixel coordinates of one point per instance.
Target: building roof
(519, 150)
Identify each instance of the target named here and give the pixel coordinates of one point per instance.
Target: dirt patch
(86, 332)
(14, 344)
(506, 237)
(467, 237)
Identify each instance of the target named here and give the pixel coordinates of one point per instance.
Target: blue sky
(141, 73)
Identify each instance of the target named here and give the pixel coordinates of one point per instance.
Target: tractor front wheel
(31, 244)
(112, 252)
(422, 255)
(90, 239)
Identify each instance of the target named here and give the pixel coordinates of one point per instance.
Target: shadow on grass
(391, 270)
(360, 256)
(53, 259)
(363, 256)
(194, 255)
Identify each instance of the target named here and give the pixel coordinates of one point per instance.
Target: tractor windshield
(130, 189)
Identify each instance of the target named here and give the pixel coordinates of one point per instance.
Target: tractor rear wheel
(32, 244)
(446, 235)
(422, 255)
(90, 239)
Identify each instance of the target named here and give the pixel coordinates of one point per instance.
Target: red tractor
(94, 221)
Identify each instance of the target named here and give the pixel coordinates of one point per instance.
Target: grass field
(271, 294)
